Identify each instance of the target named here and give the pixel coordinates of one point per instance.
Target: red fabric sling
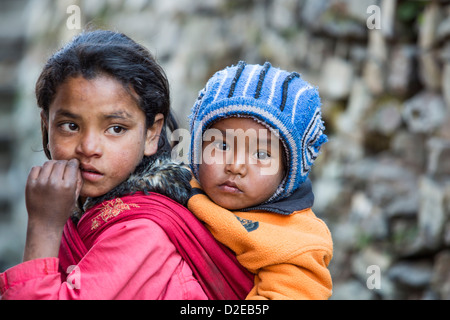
(214, 266)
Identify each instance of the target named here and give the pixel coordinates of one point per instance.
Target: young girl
(105, 103)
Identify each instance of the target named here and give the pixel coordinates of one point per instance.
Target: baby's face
(242, 163)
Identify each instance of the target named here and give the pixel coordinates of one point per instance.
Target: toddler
(252, 192)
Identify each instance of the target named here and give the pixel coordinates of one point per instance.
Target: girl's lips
(89, 173)
(91, 176)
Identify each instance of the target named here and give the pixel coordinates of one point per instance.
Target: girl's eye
(116, 130)
(69, 126)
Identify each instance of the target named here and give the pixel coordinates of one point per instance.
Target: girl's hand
(51, 194)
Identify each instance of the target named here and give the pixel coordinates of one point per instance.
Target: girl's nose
(89, 145)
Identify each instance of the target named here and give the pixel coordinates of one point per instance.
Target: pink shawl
(214, 266)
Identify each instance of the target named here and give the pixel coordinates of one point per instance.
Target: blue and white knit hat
(280, 100)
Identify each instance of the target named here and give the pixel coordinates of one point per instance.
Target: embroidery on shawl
(110, 209)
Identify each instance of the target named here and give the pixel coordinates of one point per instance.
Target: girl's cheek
(125, 160)
(60, 152)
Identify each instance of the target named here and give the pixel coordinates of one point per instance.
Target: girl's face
(242, 163)
(99, 123)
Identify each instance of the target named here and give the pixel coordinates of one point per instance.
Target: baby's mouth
(230, 186)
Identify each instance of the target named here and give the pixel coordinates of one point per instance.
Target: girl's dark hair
(100, 52)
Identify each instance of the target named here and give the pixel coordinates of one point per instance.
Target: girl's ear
(44, 131)
(153, 133)
(44, 119)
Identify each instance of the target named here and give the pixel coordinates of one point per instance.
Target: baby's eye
(116, 130)
(221, 145)
(69, 126)
(262, 155)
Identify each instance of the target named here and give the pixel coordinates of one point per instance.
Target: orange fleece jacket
(289, 254)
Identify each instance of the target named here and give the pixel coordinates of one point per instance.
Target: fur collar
(158, 173)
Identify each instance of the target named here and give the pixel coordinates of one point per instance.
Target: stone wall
(382, 182)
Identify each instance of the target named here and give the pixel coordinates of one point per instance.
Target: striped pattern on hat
(281, 100)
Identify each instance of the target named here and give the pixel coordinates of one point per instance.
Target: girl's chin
(93, 191)
(89, 194)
